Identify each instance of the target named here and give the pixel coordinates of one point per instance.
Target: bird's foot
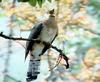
(30, 77)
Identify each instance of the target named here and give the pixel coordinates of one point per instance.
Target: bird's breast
(48, 34)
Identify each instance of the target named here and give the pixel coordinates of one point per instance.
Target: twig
(57, 9)
(38, 41)
(63, 55)
(86, 29)
(58, 62)
(92, 31)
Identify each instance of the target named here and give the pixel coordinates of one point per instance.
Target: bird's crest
(51, 12)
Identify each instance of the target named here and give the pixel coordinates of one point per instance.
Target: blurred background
(79, 38)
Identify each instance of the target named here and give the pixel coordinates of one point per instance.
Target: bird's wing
(33, 35)
(47, 47)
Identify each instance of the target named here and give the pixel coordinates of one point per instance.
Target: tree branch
(89, 30)
(38, 41)
(92, 31)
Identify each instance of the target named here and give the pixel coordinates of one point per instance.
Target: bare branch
(92, 31)
(38, 41)
(89, 30)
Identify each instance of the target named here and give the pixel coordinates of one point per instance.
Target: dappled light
(78, 39)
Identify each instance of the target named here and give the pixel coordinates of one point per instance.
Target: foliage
(34, 2)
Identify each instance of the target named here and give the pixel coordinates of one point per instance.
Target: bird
(46, 31)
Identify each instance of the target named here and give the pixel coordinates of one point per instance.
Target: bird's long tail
(33, 69)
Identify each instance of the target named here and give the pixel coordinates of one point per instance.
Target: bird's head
(51, 20)
(51, 13)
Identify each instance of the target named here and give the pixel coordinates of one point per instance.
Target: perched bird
(44, 31)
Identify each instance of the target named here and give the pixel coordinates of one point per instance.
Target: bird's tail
(33, 70)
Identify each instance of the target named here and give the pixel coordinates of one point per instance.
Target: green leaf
(23, 0)
(33, 2)
(49, 0)
(43, 1)
(0, 0)
(40, 2)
